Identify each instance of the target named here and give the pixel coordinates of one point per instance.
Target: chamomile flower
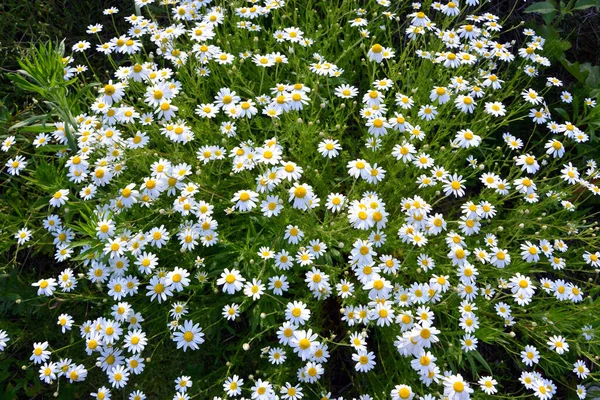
(48, 372)
(23, 236)
(66, 322)
(488, 385)
(335, 202)
(16, 165)
(231, 280)
(581, 369)
(466, 138)
(277, 356)
(293, 235)
(254, 289)
(59, 198)
(454, 185)
(118, 376)
(365, 361)
(231, 312)
(45, 287)
(189, 335)
(245, 200)
(297, 313)
(233, 386)
(558, 343)
(456, 388)
(346, 91)
(496, 109)
(40, 353)
(3, 339)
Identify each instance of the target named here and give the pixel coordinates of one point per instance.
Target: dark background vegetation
(24, 23)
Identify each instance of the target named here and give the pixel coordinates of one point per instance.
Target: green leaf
(51, 148)
(24, 84)
(548, 18)
(29, 121)
(583, 4)
(481, 360)
(555, 46)
(37, 128)
(93, 251)
(472, 365)
(593, 78)
(562, 113)
(542, 7)
(592, 131)
(575, 70)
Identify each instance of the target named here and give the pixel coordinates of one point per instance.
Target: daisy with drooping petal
(16, 165)
(245, 200)
(558, 343)
(456, 388)
(40, 352)
(59, 198)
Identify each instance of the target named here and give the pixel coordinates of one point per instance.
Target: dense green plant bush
(304, 199)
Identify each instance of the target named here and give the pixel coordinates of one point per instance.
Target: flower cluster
(234, 191)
